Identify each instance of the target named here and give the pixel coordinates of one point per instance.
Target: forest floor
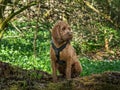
(14, 78)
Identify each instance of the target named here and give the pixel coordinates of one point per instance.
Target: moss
(14, 87)
(105, 81)
(65, 85)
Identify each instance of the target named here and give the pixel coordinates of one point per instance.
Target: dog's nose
(70, 33)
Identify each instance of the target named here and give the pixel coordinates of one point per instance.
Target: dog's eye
(69, 28)
(63, 28)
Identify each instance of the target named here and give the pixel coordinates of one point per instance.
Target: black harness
(57, 52)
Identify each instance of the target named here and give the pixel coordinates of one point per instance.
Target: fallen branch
(12, 36)
(16, 27)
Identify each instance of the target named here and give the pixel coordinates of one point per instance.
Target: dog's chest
(64, 54)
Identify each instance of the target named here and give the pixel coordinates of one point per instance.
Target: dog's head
(62, 32)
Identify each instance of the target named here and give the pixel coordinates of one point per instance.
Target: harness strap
(57, 52)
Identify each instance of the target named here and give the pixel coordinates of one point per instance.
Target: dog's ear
(56, 32)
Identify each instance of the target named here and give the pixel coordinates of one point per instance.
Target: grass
(94, 66)
(19, 52)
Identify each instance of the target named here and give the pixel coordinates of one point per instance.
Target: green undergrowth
(94, 66)
(18, 50)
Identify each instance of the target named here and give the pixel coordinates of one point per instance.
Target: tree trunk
(106, 45)
(36, 30)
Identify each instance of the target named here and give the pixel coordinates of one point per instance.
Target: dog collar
(57, 52)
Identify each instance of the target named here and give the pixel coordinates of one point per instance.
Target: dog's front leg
(54, 71)
(68, 69)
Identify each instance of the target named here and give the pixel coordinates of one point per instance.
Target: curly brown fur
(62, 33)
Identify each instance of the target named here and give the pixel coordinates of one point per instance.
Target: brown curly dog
(63, 55)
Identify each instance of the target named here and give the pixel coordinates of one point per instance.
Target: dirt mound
(14, 78)
(105, 81)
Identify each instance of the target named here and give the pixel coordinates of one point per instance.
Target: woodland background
(25, 32)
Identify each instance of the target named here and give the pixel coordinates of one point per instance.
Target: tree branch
(10, 16)
(107, 17)
(15, 13)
